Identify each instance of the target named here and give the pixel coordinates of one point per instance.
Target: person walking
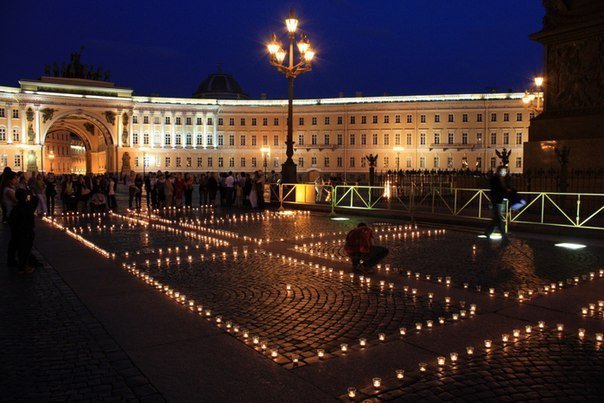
(359, 247)
(499, 190)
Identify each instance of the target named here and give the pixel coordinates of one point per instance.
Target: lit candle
(418, 326)
(274, 353)
(422, 366)
(541, 324)
(344, 347)
(470, 350)
(560, 327)
(429, 323)
(505, 337)
(377, 382)
(584, 310)
(528, 329)
(488, 343)
(352, 392)
(441, 320)
(581, 333)
(362, 342)
(400, 373)
(454, 357)
(599, 336)
(402, 331)
(516, 333)
(441, 360)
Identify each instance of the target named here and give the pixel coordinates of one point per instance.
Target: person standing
(359, 247)
(499, 191)
(7, 176)
(51, 193)
(188, 185)
(229, 184)
(212, 189)
(21, 221)
(111, 200)
(203, 189)
(138, 193)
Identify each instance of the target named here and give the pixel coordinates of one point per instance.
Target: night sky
(374, 46)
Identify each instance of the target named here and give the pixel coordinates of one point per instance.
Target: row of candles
(79, 238)
(593, 309)
(488, 345)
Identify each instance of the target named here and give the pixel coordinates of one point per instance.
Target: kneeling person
(359, 247)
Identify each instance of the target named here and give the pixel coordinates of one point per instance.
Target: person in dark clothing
(21, 221)
(499, 192)
(212, 189)
(51, 193)
(138, 191)
(359, 247)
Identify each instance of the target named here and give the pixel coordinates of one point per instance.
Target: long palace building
(78, 125)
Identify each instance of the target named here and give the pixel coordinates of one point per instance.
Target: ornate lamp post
(291, 70)
(533, 99)
(266, 152)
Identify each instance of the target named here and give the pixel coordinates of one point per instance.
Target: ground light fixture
(339, 218)
(570, 245)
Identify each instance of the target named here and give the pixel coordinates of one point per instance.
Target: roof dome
(221, 86)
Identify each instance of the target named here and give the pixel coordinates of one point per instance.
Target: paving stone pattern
(518, 264)
(543, 367)
(54, 349)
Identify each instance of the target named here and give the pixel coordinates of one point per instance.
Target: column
(163, 129)
(194, 121)
(141, 136)
(215, 128)
(130, 127)
(173, 129)
(9, 124)
(204, 138)
(23, 118)
(37, 124)
(152, 130)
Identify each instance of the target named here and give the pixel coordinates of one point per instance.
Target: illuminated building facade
(120, 131)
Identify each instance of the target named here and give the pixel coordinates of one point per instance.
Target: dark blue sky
(374, 46)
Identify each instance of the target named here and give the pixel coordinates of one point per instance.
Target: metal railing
(574, 210)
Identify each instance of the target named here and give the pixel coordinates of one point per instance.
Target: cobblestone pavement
(54, 349)
(547, 366)
(516, 265)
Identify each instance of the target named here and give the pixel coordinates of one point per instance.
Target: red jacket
(359, 240)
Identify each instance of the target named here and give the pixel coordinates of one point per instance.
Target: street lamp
(266, 152)
(533, 99)
(398, 156)
(51, 157)
(291, 70)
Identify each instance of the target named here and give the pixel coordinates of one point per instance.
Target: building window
(313, 161)
(17, 160)
(493, 163)
(254, 162)
(409, 118)
(3, 160)
(209, 139)
(408, 162)
(352, 120)
(254, 122)
(231, 121)
(519, 117)
(253, 140)
(264, 121)
(386, 119)
(436, 138)
(493, 138)
(231, 140)
(210, 162)
(363, 162)
(479, 163)
(188, 121)
(220, 162)
(314, 121)
(518, 162)
(231, 162)
(375, 139)
(422, 139)
(422, 118)
(436, 161)
(397, 118)
(352, 139)
(199, 161)
(199, 122)
(506, 117)
(156, 120)
(493, 117)
(363, 120)
(167, 120)
(450, 162)
(242, 140)
(178, 122)
(189, 139)
(479, 117)
(451, 138)
(221, 139)
(326, 162)
(464, 138)
(340, 139)
(351, 162)
(386, 139)
(199, 139)
(16, 116)
(301, 162)
(146, 138)
(422, 162)
(167, 162)
(2, 134)
(2, 112)
(436, 118)
(386, 162)
(242, 162)
(340, 162)
(220, 121)
(313, 139)
(479, 138)
(374, 119)
(16, 136)
(276, 122)
(506, 138)
(242, 121)
(300, 139)
(409, 139)
(134, 119)
(178, 140)
(451, 118)
(134, 138)
(210, 122)
(178, 162)
(464, 118)
(276, 141)
(326, 120)
(340, 120)
(363, 139)
(531, 115)
(326, 138)
(188, 162)
(301, 122)
(167, 139)
(264, 140)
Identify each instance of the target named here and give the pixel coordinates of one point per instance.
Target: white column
(205, 130)
(9, 124)
(23, 117)
(152, 130)
(173, 129)
(141, 135)
(163, 129)
(37, 120)
(215, 130)
(194, 121)
(130, 127)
